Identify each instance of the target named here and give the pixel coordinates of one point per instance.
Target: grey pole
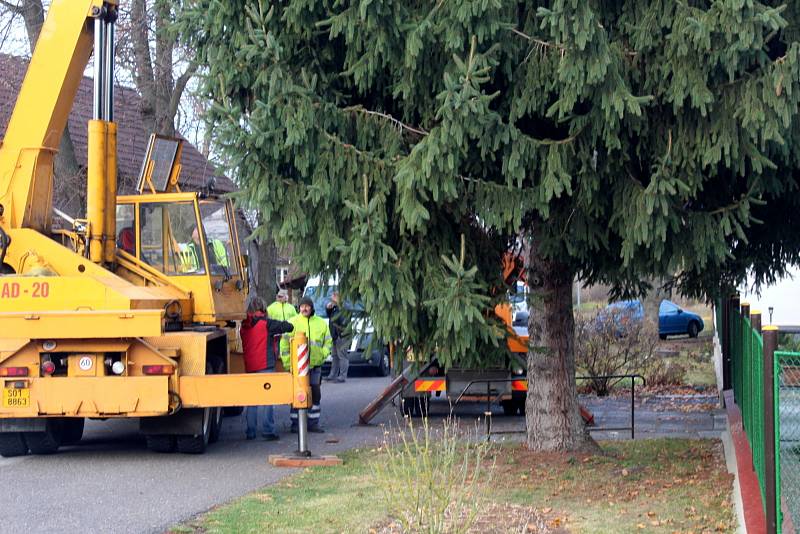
(302, 432)
(770, 337)
(108, 81)
(99, 67)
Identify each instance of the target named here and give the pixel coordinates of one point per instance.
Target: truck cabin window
(170, 238)
(219, 243)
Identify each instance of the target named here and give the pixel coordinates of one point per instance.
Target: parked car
(363, 351)
(620, 316)
(673, 320)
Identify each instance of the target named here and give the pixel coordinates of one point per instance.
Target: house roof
(132, 139)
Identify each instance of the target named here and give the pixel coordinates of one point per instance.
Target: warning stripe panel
(519, 385)
(429, 385)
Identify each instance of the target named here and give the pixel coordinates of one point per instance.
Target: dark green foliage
(638, 137)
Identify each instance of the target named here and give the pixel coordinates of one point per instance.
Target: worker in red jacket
(260, 338)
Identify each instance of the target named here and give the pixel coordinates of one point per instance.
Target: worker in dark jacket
(260, 338)
(337, 321)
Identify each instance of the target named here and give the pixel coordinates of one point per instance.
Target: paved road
(112, 483)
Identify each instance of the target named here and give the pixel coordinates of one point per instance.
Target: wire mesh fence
(787, 429)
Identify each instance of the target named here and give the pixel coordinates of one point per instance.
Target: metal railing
(490, 399)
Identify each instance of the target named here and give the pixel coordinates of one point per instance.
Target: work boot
(316, 430)
(271, 437)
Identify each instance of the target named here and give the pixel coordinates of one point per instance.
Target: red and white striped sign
(302, 360)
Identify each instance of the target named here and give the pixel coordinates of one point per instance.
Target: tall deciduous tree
(409, 144)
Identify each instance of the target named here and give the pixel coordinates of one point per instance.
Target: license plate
(16, 398)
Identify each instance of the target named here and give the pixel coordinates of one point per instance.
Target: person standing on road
(260, 337)
(319, 344)
(281, 310)
(338, 323)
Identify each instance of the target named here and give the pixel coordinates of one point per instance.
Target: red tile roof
(131, 136)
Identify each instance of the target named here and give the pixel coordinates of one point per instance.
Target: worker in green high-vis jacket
(281, 310)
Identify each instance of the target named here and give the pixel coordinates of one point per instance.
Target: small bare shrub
(609, 343)
(433, 480)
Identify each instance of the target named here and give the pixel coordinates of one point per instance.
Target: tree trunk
(267, 265)
(551, 409)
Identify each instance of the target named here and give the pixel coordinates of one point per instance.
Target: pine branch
(348, 146)
(396, 122)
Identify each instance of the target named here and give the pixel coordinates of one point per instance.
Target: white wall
(784, 297)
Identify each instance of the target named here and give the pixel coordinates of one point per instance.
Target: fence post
(755, 320)
(734, 340)
(770, 465)
(725, 342)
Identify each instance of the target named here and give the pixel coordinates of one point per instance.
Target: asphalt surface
(111, 483)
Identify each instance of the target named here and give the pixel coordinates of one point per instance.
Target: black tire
(73, 430)
(216, 367)
(12, 444)
(46, 442)
(216, 425)
(693, 329)
(160, 442)
(509, 407)
(196, 444)
(384, 368)
(232, 411)
(415, 406)
(662, 337)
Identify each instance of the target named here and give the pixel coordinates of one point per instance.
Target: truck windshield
(217, 226)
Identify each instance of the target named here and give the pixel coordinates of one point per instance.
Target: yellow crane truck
(132, 311)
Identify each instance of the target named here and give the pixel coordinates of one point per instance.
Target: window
(282, 274)
(221, 258)
(126, 229)
(170, 239)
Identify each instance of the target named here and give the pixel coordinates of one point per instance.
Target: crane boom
(40, 115)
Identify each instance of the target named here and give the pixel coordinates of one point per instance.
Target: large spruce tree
(409, 144)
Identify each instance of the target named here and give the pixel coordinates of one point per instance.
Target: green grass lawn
(641, 486)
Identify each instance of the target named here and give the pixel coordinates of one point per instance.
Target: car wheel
(693, 329)
(662, 337)
(384, 368)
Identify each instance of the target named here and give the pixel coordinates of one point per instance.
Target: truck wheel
(509, 407)
(232, 411)
(46, 442)
(197, 444)
(12, 444)
(216, 425)
(415, 406)
(72, 430)
(160, 442)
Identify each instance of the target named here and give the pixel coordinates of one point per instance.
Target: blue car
(672, 320)
(619, 316)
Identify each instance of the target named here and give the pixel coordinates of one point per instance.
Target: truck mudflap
(86, 396)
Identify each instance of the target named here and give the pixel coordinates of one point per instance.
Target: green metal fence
(747, 351)
(787, 431)
(770, 408)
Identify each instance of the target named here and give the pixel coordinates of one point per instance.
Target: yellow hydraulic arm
(38, 121)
